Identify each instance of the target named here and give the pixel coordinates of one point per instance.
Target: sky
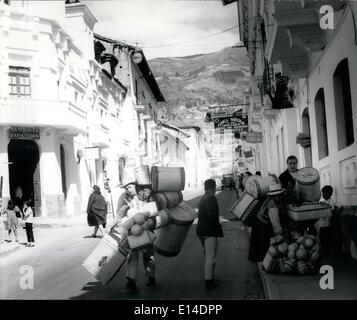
(151, 23)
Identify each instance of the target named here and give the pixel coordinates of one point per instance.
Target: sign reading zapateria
(238, 123)
(24, 133)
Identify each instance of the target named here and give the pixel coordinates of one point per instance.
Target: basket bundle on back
(258, 186)
(167, 178)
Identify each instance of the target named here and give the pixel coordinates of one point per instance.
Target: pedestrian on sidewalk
(269, 223)
(209, 230)
(97, 211)
(12, 220)
(28, 218)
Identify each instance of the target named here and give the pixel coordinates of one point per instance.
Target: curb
(271, 290)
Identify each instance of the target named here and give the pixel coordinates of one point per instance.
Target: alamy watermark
(327, 280)
(27, 279)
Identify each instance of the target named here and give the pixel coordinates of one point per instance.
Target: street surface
(58, 274)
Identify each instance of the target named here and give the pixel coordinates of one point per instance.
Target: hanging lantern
(137, 57)
(283, 95)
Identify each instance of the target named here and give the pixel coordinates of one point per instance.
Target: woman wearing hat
(270, 219)
(97, 211)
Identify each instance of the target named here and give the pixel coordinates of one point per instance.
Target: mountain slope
(214, 78)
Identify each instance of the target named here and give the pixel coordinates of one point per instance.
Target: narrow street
(58, 274)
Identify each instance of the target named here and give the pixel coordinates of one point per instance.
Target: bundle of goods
(107, 257)
(308, 184)
(168, 199)
(300, 257)
(246, 208)
(142, 175)
(170, 239)
(167, 179)
(138, 230)
(258, 186)
(309, 211)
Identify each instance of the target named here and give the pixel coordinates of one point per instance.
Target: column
(53, 203)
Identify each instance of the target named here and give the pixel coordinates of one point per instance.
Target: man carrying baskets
(129, 200)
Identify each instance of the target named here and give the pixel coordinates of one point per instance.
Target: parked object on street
(142, 175)
(309, 211)
(107, 257)
(167, 178)
(167, 199)
(257, 186)
(228, 182)
(308, 184)
(170, 239)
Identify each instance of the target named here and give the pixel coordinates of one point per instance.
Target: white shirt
(28, 213)
(325, 222)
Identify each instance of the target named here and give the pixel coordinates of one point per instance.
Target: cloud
(158, 22)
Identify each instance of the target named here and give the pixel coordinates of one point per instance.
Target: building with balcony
(59, 111)
(311, 45)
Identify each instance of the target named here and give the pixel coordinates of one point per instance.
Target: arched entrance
(24, 175)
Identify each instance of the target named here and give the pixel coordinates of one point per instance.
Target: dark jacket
(208, 218)
(286, 179)
(96, 210)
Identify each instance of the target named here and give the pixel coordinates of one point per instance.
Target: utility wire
(193, 40)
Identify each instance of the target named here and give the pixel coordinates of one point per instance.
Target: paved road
(58, 273)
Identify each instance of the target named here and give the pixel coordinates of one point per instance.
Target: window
(63, 170)
(321, 127)
(136, 89)
(19, 82)
(343, 105)
(177, 149)
(7, 2)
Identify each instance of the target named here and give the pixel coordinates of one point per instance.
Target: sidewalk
(7, 247)
(295, 287)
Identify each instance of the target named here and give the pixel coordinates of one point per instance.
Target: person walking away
(209, 230)
(269, 223)
(97, 211)
(12, 220)
(28, 218)
(144, 193)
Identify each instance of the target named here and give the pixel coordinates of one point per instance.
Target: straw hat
(275, 189)
(128, 180)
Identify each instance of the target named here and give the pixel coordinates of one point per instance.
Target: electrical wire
(193, 40)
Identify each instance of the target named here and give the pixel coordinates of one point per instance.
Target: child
(323, 224)
(28, 217)
(12, 221)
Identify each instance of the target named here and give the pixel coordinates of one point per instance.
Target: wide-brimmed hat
(127, 181)
(275, 189)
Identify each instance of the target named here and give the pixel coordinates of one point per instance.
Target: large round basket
(142, 175)
(167, 199)
(258, 186)
(170, 239)
(167, 178)
(308, 184)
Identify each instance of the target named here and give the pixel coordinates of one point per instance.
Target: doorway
(24, 175)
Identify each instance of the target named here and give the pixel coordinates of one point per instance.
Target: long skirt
(260, 240)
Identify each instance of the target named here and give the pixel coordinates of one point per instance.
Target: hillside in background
(214, 78)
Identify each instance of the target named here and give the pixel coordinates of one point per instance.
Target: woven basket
(258, 186)
(167, 199)
(167, 178)
(309, 211)
(142, 175)
(170, 239)
(308, 184)
(162, 219)
(270, 264)
(106, 259)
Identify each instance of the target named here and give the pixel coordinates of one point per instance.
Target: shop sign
(28, 133)
(254, 137)
(237, 123)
